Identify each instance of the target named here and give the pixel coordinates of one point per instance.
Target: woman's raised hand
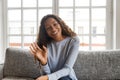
(40, 54)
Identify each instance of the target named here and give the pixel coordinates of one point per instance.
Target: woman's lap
(65, 78)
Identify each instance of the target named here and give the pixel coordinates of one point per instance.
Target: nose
(53, 28)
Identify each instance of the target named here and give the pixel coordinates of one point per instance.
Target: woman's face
(53, 29)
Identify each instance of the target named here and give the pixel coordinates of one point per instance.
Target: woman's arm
(41, 55)
(45, 69)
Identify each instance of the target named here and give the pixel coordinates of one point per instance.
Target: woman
(56, 49)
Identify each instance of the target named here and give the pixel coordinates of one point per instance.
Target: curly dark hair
(43, 38)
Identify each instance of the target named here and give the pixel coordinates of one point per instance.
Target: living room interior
(96, 22)
(98, 29)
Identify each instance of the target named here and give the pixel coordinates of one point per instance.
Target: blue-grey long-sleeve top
(61, 58)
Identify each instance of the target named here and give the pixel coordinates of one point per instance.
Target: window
(23, 20)
(88, 18)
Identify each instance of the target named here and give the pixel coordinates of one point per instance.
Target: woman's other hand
(40, 54)
(42, 78)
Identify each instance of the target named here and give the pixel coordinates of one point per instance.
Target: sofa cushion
(20, 62)
(1, 71)
(17, 78)
(98, 65)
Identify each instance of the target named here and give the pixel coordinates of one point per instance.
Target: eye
(48, 28)
(55, 24)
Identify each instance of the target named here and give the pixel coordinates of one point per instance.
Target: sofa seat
(17, 78)
(90, 65)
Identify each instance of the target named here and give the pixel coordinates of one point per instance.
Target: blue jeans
(65, 78)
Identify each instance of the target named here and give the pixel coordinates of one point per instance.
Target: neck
(60, 38)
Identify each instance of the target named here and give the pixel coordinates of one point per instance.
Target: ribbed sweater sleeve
(45, 69)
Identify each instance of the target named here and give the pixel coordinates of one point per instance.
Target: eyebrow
(54, 22)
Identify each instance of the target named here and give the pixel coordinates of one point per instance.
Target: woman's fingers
(40, 54)
(37, 47)
(34, 46)
(45, 49)
(37, 51)
(32, 50)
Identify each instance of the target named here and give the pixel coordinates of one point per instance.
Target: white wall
(0, 30)
(116, 24)
(1, 33)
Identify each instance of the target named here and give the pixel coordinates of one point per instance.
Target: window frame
(109, 32)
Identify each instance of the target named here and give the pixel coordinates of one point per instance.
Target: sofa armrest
(1, 71)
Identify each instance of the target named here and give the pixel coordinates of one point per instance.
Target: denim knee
(65, 78)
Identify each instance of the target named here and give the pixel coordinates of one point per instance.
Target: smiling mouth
(54, 33)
